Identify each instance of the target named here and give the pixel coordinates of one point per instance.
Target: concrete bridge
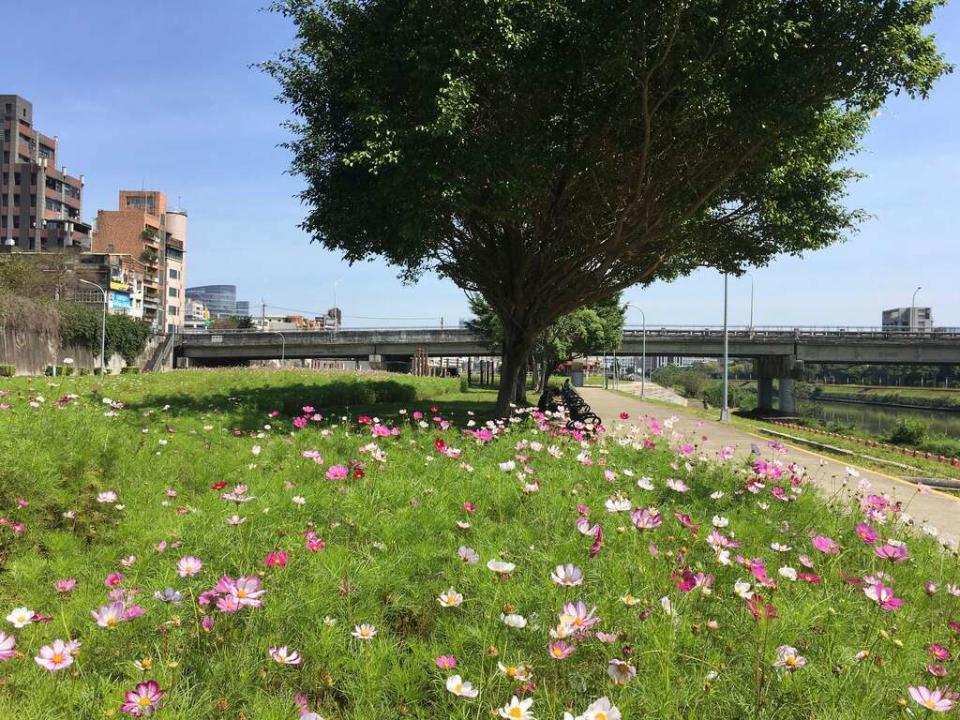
(777, 352)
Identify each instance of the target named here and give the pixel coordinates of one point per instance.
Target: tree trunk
(520, 399)
(516, 352)
(547, 374)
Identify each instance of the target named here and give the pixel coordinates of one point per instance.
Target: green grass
(391, 540)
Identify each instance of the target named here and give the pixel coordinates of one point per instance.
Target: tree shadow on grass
(249, 406)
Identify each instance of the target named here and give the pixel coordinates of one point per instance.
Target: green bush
(81, 326)
(909, 432)
(61, 370)
(8, 370)
(130, 370)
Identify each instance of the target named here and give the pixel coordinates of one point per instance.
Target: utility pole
(724, 407)
(263, 314)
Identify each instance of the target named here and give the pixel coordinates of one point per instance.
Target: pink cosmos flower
(559, 650)
(597, 542)
(936, 670)
(113, 579)
(568, 575)
(646, 518)
(935, 700)
(337, 472)
(314, 541)
(446, 662)
(867, 533)
(726, 452)
(65, 585)
(207, 623)
(144, 700)
(825, 545)
(939, 652)
(882, 596)
(189, 566)
(8, 644)
(893, 553)
(576, 616)
(276, 558)
(56, 656)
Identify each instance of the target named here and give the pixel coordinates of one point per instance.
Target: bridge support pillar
(764, 395)
(788, 405)
(766, 370)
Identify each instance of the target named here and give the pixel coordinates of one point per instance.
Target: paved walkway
(652, 390)
(941, 510)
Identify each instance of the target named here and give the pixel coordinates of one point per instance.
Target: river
(880, 420)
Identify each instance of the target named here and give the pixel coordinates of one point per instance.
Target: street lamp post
(283, 345)
(913, 306)
(643, 353)
(103, 326)
(724, 407)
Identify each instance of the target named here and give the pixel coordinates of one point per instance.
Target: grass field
(259, 545)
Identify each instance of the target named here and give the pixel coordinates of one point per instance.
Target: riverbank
(946, 399)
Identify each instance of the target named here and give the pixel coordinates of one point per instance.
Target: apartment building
(146, 228)
(40, 203)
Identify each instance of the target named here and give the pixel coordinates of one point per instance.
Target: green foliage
(125, 335)
(8, 370)
(909, 431)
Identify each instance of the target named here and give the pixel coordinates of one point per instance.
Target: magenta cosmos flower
(189, 566)
(337, 472)
(867, 533)
(646, 519)
(825, 545)
(893, 553)
(446, 662)
(935, 700)
(559, 650)
(276, 558)
(65, 585)
(144, 700)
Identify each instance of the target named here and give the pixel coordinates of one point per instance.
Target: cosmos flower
(20, 617)
(364, 632)
(450, 598)
(891, 552)
(568, 575)
(621, 672)
(882, 596)
(446, 662)
(825, 545)
(56, 656)
(461, 688)
(514, 620)
(789, 659)
(189, 566)
(65, 585)
(558, 649)
(284, 656)
(500, 566)
(337, 472)
(517, 709)
(8, 644)
(468, 555)
(601, 709)
(935, 700)
(646, 519)
(144, 700)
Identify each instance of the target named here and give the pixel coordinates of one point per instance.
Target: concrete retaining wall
(31, 353)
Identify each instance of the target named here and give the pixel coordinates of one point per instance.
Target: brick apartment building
(147, 229)
(40, 203)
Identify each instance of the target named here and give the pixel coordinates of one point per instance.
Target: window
(171, 309)
(172, 292)
(174, 275)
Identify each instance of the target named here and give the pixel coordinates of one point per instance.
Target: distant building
(220, 300)
(39, 204)
(243, 308)
(914, 319)
(145, 228)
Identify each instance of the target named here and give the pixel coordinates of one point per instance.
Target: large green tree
(547, 153)
(585, 331)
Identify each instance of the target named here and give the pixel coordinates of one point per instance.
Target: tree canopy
(546, 154)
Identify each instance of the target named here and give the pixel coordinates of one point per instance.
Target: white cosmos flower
(743, 589)
(513, 620)
(601, 709)
(720, 521)
(461, 688)
(788, 572)
(618, 503)
(20, 617)
(723, 557)
(450, 598)
(667, 606)
(517, 709)
(716, 495)
(645, 483)
(568, 575)
(499, 566)
(779, 547)
(508, 466)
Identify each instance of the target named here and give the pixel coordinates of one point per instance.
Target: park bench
(581, 416)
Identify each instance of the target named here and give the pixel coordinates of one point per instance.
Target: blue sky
(162, 96)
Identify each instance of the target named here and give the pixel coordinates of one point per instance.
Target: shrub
(909, 432)
(130, 370)
(8, 370)
(126, 336)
